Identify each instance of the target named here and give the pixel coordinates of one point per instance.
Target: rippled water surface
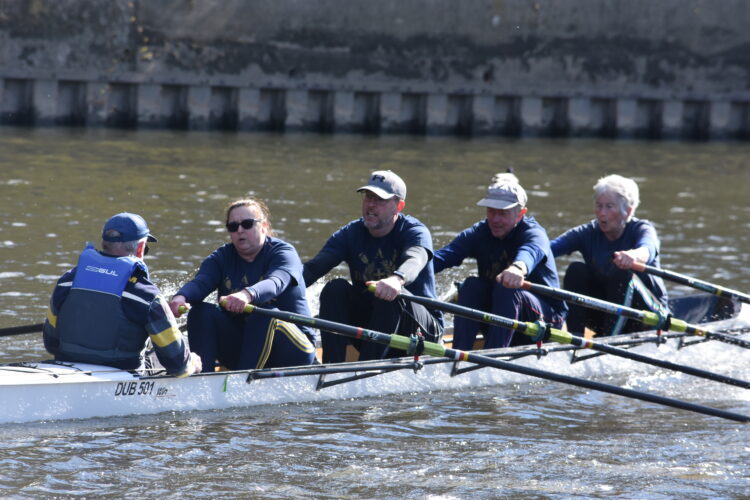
(535, 439)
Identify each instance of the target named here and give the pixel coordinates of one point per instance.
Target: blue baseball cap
(131, 227)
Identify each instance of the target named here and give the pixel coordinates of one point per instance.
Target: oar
(433, 349)
(19, 330)
(563, 337)
(646, 317)
(692, 282)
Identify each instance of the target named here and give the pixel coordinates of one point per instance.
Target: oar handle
(638, 267)
(183, 309)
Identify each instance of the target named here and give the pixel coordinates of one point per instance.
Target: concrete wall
(617, 68)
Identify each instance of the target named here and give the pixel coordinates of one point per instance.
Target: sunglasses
(246, 224)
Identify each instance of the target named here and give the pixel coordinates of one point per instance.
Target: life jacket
(92, 325)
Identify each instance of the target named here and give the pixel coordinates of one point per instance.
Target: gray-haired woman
(610, 244)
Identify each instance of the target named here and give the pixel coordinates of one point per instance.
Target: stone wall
(616, 68)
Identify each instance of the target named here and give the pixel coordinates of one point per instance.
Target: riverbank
(676, 69)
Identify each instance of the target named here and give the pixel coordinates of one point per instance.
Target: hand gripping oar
(20, 330)
(539, 332)
(646, 317)
(692, 282)
(433, 349)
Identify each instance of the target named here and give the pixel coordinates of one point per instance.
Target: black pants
(579, 279)
(516, 304)
(245, 341)
(343, 303)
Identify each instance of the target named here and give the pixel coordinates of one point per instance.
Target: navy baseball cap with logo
(386, 185)
(131, 227)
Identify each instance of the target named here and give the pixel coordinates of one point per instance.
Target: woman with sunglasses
(254, 267)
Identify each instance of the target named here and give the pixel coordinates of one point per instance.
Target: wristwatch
(400, 275)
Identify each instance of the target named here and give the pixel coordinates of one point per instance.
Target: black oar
(692, 282)
(563, 337)
(20, 330)
(433, 349)
(646, 317)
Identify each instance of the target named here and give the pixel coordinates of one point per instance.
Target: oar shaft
(431, 348)
(677, 325)
(20, 330)
(602, 387)
(394, 341)
(646, 317)
(696, 372)
(530, 329)
(567, 338)
(691, 282)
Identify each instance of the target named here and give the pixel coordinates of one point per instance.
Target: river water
(533, 440)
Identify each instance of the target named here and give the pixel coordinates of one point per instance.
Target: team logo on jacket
(101, 270)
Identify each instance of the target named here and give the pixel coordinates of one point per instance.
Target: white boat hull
(50, 391)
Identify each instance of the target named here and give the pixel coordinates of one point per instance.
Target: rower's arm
(169, 343)
(318, 267)
(625, 259)
(271, 287)
(414, 260)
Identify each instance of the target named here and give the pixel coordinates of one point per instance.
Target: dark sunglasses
(246, 224)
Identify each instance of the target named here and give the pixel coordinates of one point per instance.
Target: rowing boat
(57, 391)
